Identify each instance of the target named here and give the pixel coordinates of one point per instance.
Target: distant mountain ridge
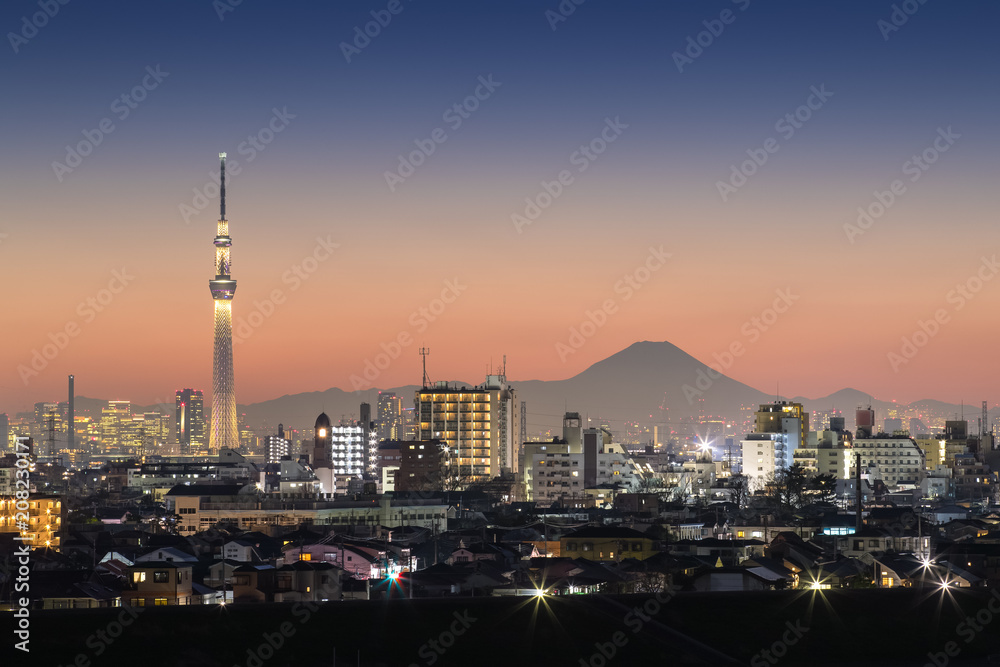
(647, 382)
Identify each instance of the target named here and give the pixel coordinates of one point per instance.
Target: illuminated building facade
(779, 429)
(189, 413)
(201, 506)
(155, 432)
(116, 426)
(44, 519)
(345, 449)
(773, 418)
(224, 432)
(896, 460)
(121, 432)
(276, 447)
(566, 472)
(478, 427)
(348, 449)
(390, 408)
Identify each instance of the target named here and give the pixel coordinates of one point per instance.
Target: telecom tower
(224, 432)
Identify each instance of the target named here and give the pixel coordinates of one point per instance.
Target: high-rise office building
(118, 431)
(46, 424)
(479, 426)
(189, 413)
(4, 432)
(155, 432)
(224, 433)
(389, 416)
(250, 442)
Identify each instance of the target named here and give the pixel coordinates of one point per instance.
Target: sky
(809, 185)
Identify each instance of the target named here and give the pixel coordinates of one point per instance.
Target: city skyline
(569, 332)
(631, 156)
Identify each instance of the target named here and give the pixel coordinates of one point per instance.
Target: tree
(647, 580)
(740, 486)
(786, 487)
(792, 486)
(823, 488)
(455, 480)
(796, 479)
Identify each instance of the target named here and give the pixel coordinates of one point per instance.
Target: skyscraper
(224, 431)
(189, 406)
(389, 420)
(117, 434)
(71, 418)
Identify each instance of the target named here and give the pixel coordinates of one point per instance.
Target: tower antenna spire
(222, 187)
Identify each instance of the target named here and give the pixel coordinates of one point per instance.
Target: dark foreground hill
(866, 627)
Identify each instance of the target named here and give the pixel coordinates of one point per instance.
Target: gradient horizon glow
(107, 261)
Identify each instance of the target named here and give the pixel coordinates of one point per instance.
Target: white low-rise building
(898, 458)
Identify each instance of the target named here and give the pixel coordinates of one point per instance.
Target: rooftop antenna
(222, 187)
(423, 353)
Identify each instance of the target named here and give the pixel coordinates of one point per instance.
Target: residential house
(607, 544)
(159, 583)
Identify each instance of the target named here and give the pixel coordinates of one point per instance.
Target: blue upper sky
(894, 75)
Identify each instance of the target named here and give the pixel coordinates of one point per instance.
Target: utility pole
(524, 423)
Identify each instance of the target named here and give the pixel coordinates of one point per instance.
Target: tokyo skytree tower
(224, 432)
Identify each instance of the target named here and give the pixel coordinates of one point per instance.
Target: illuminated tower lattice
(225, 432)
